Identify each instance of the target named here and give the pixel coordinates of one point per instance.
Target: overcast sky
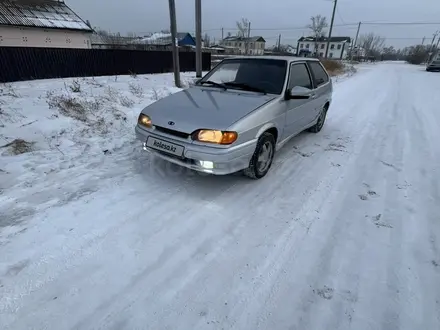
(268, 17)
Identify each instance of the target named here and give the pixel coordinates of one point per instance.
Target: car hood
(197, 107)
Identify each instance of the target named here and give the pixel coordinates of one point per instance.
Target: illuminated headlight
(145, 121)
(215, 136)
(206, 164)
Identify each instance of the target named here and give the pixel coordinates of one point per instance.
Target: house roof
(325, 39)
(251, 39)
(160, 38)
(98, 39)
(48, 14)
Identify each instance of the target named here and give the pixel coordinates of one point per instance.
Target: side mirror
(298, 93)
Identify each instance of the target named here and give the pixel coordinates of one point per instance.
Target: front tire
(262, 158)
(321, 120)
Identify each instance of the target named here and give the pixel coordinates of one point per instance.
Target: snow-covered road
(343, 233)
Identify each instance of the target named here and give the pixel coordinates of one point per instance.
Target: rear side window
(299, 76)
(321, 76)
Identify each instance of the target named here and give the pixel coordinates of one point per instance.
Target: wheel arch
(270, 128)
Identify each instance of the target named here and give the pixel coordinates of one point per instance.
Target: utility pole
(248, 37)
(431, 49)
(198, 38)
(331, 28)
(222, 33)
(173, 28)
(423, 41)
(355, 41)
(279, 43)
(433, 38)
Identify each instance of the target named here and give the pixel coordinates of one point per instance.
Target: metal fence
(25, 63)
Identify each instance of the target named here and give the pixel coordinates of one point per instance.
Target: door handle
(313, 96)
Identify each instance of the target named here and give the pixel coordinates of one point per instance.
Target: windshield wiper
(246, 87)
(213, 83)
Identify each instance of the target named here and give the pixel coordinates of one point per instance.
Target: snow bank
(47, 125)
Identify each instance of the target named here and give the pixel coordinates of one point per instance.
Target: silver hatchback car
(238, 114)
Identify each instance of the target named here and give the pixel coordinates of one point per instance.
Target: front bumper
(218, 161)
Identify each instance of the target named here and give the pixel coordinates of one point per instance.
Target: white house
(339, 47)
(38, 23)
(254, 45)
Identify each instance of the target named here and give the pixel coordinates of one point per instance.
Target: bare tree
(131, 35)
(207, 40)
(416, 54)
(243, 28)
(113, 40)
(371, 43)
(318, 26)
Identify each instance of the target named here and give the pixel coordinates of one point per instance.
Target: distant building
(38, 23)
(254, 45)
(339, 47)
(164, 39)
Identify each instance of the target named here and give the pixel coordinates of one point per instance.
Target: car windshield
(257, 75)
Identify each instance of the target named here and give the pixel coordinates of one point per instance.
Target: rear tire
(262, 158)
(321, 120)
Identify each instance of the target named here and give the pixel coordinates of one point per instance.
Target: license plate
(169, 148)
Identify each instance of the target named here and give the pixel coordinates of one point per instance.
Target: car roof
(274, 57)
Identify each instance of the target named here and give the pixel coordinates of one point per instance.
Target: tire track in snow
(255, 266)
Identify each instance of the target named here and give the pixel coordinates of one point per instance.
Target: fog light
(206, 164)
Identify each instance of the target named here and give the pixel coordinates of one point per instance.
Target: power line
(304, 27)
(401, 23)
(339, 15)
(335, 25)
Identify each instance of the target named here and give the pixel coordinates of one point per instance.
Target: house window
(339, 46)
(321, 54)
(307, 46)
(301, 46)
(322, 46)
(331, 55)
(332, 47)
(25, 39)
(47, 39)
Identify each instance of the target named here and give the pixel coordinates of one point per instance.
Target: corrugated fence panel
(25, 63)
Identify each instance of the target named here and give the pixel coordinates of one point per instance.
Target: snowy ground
(343, 233)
